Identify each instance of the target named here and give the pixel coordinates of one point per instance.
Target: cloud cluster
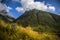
(4, 7)
(52, 8)
(8, 8)
(20, 9)
(30, 4)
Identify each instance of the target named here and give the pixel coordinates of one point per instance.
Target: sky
(16, 8)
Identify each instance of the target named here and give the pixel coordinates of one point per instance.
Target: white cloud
(40, 6)
(30, 4)
(52, 8)
(19, 9)
(8, 8)
(4, 7)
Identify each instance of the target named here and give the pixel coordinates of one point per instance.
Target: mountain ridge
(36, 17)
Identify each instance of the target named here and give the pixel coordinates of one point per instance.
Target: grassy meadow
(14, 31)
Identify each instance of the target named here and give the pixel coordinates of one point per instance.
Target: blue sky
(53, 5)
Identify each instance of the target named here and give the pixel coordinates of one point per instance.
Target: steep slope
(56, 18)
(36, 18)
(14, 32)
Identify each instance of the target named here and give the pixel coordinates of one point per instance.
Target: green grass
(16, 32)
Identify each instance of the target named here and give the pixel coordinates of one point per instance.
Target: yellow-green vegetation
(16, 32)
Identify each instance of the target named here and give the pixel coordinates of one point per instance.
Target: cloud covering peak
(30, 4)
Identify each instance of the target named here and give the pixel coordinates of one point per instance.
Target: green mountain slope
(38, 17)
(32, 25)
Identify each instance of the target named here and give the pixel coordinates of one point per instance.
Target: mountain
(36, 18)
(32, 25)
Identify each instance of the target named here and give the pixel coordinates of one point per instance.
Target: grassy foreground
(16, 32)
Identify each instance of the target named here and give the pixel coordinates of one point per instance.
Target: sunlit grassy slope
(33, 25)
(13, 31)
